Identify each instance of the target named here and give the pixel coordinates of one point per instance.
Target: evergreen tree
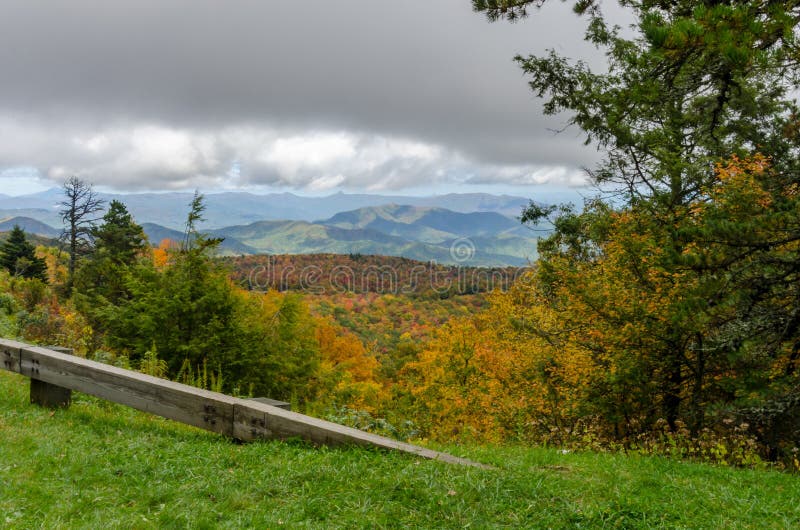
(18, 256)
(102, 279)
(696, 117)
(119, 237)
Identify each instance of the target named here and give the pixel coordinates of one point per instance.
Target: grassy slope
(99, 465)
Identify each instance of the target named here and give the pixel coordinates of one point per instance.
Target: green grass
(99, 465)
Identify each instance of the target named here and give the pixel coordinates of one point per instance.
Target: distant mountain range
(428, 224)
(225, 209)
(474, 229)
(476, 239)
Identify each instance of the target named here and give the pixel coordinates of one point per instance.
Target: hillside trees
(683, 288)
(490, 378)
(678, 332)
(188, 311)
(173, 311)
(18, 257)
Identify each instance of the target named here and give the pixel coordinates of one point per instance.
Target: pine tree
(685, 284)
(100, 282)
(18, 257)
(119, 237)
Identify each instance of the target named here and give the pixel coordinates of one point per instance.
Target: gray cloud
(355, 94)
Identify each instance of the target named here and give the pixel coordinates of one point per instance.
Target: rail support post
(49, 395)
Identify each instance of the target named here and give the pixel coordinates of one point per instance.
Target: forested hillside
(363, 273)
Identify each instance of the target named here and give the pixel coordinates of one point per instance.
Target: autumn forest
(662, 315)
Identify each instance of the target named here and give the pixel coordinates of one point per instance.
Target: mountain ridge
(29, 225)
(426, 233)
(431, 224)
(230, 208)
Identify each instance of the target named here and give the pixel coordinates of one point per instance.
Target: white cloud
(155, 156)
(326, 183)
(319, 150)
(95, 144)
(300, 102)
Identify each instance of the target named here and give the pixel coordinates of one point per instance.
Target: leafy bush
(151, 364)
(8, 304)
(30, 292)
(364, 421)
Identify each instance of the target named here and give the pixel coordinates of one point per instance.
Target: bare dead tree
(80, 212)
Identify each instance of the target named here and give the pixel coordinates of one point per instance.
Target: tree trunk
(672, 395)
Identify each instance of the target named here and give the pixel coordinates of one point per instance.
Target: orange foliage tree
(633, 315)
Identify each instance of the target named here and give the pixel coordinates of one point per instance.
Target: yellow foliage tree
(347, 372)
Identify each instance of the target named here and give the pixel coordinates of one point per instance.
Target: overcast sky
(314, 96)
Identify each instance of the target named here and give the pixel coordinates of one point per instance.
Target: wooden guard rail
(54, 375)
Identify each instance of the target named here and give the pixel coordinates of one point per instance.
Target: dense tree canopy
(186, 312)
(119, 237)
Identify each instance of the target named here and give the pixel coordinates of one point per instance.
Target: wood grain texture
(274, 402)
(183, 403)
(242, 419)
(9, 355)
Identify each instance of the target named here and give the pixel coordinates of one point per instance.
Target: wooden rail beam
(242, 419)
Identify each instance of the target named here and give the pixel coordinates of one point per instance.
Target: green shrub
(364, 421)
(8, 304)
